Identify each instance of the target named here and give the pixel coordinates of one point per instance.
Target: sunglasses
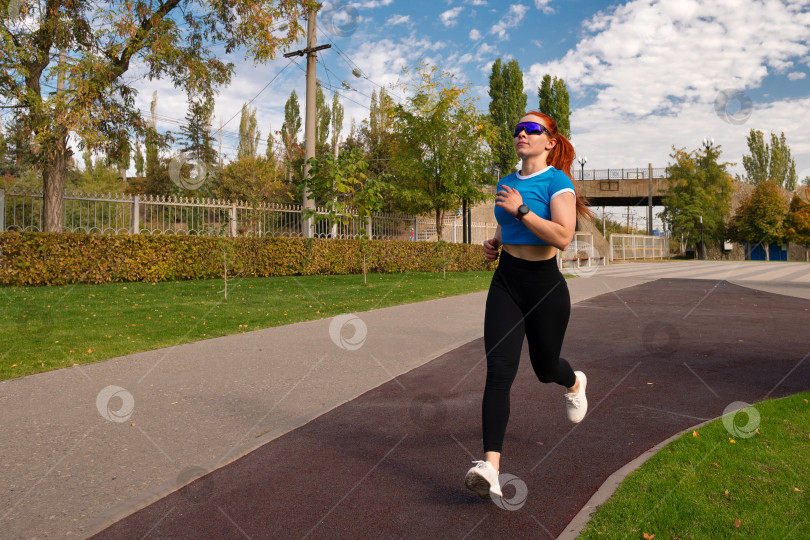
(531, 128)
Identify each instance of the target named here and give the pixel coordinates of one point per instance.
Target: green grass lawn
(44, 328)
(720, 485)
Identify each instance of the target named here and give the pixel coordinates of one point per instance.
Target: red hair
(561, 157)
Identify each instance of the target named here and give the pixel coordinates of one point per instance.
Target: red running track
(660, 357)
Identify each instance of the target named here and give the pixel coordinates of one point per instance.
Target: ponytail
(561, 158)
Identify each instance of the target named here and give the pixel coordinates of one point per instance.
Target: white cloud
(796, 75)
(449, 17)
(657, 69)
(375, 4)
(543, 5)
(475, 35)
(398, 19)
(510, 20)
(478, 2)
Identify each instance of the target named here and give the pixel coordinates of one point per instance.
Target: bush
(35, 258)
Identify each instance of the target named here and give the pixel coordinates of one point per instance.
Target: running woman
(536, 209)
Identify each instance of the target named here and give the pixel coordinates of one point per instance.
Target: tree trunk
(767, 251)
(439, 215)
(53, 176)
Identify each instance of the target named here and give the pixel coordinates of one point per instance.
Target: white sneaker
(483, 479)
(577, 404)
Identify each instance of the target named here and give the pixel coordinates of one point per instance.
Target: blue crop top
(537, 191)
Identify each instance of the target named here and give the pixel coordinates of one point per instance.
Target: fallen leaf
(133, 425)
(732, 441)
(799, 490)
(695, 434)
(716, 465)
(737, 523)
(13, 365)
(726, 493)
(757, 431)
(540, 443)
(648, 536)
(89, 350)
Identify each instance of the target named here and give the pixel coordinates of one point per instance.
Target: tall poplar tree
(507, 105)
(249, 134)
(769, 161)
(337, 122)
(553, 96)
(323, 119)
(290, 129)
(196, 133)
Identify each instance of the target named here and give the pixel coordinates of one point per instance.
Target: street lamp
(582, 161)
(702, 245)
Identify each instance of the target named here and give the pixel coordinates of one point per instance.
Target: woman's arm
(559, 230)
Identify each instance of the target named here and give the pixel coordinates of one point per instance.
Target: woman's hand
(491, 249)
(509, 199)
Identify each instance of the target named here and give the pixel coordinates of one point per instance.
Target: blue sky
(643, 75)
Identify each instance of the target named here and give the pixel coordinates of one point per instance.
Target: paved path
(195, 408)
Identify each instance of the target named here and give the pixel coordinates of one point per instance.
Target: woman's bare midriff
(530, 252)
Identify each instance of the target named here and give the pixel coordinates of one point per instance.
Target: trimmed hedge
(35, 258)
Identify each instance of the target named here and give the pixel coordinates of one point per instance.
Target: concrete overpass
(623, 187)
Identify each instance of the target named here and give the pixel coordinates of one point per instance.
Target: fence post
(233, 219)
(2, 209)
(136, 215)
(369, 232)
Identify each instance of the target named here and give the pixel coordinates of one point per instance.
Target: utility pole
(309, 125)
(649, 206)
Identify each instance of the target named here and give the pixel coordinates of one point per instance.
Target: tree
(289, 131)
(100, 41)
(196, 132)
(323, 118)
(249, 134)
(340, 185)
(769, 162)
(797, 224)
(507, 105)
(553, 96)
(139, 161)
(337, 122)
(700, 189)
(438, 163)
(759, 219)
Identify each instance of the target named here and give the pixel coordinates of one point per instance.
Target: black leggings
(526, 298)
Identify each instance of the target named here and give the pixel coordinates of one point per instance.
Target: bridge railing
(618, 174)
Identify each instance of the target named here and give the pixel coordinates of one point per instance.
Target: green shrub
(34, 258)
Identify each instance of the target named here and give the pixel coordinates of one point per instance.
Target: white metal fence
(581, 256)
(635, 246)
(138, 214)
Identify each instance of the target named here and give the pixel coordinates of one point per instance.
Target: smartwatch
(521, 211)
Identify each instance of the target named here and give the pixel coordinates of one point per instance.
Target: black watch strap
(522, 211)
